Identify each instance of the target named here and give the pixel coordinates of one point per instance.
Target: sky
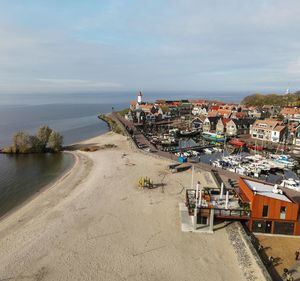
(61, 46)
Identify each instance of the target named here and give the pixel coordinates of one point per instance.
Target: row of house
(266, 123)
(228, 126)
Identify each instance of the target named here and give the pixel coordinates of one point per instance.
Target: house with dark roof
(185, 107)
(210, 124)
(235, 127)
(197, 123)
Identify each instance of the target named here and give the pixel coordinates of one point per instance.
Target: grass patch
(114, 126)
(96, 147)
(123, 112)
(108, 146)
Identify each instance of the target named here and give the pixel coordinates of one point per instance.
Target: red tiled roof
(214, 108)
(290, 111)
(224, 112)
(212, 113)
(146, 105)
(279, 128)
(271, 124)
(198, 101)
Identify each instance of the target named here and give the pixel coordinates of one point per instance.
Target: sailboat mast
(192, 183)
(224, 145)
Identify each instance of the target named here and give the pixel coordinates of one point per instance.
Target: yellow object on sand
(145, 182)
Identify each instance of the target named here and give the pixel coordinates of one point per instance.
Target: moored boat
(255, 147)
(237, 143)
(213, 137)
(291, 184)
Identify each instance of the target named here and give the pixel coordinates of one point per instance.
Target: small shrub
(89, 148)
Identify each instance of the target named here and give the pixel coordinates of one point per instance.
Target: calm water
(74, 121)
(21, 176)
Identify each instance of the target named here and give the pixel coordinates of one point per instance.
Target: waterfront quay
(229, 137)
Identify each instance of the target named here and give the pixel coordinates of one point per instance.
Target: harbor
(184, 137)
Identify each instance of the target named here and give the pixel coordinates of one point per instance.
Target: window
(262, 125)
(286, 228)
(265, 211)
(282, 213)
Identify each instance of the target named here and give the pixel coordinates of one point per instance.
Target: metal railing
(219, 212)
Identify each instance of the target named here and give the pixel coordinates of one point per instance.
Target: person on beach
(271, 260)
(287, 275)
(297, 253)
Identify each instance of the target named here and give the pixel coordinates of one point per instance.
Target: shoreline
(55, 181)
(43, 188)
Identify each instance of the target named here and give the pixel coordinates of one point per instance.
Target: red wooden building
(272, 209)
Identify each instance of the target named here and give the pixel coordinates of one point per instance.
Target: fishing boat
(213, 137)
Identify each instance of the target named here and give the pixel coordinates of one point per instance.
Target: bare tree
(55, 141)
(21, 142)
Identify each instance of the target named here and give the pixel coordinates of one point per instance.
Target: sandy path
(96, 224)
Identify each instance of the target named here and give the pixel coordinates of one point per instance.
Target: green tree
(272, 99)
(43, 135)
(36, 144)
(55, 141)
(21, 142)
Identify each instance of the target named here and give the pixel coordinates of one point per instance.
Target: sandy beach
(96, 224)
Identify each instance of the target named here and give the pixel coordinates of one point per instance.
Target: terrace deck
(233, 212)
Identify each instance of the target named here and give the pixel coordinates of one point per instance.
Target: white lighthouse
(139, 98)
(139, 101)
